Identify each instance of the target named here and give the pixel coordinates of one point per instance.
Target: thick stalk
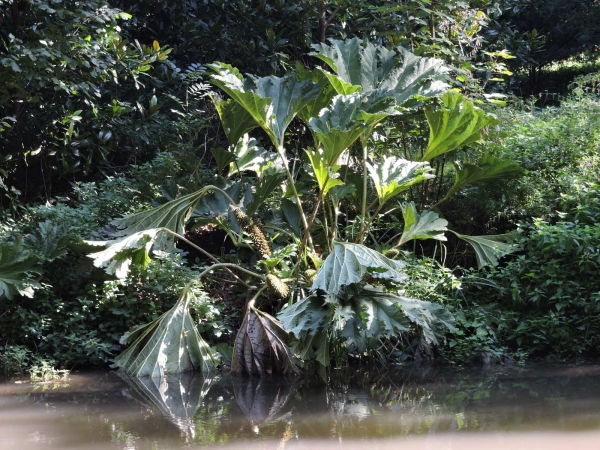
(233, 266)
(205, 253)
(366, 227)
(365, 185)
(290, 178)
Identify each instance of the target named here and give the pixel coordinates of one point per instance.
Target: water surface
(528, 407)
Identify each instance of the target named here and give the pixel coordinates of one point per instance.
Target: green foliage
(262, 347)
(349, 263)
(170, 344)
(456, 124)
(427, 225)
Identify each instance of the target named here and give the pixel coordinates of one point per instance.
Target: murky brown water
(549, 407)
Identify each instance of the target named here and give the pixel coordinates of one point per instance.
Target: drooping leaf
(396, 175)
(118, 255)
(309, 321)
(272, 101)
(348, 263)
(235, 119)
(261, 346)
(489, 169)
(177, 397)
(15, 264)
(170, 344)
(427, 225)
(457, 123)
(171, 215)
(489, 249)
(248, 155)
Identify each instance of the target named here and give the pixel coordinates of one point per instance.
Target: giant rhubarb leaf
(261, 346)
(170, 344)
(348, 263)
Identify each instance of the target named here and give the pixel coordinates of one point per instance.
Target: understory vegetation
(301, 193)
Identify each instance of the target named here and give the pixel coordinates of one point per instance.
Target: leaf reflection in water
(263, 400)
(177, 397)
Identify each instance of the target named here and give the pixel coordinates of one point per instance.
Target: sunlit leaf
(118, 255)
(325, 173)
(362, 65)
(348, 263)
(489, 249)
(248, 155)
(489, 169)
(170, 344)
(15, 264)
(396, 175)
(427, 225)
(272, 101)
(457, 123)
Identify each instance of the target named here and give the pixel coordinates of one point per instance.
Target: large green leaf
(325, 173)
(261, 346)
(171, 215)
(368, 67)
(248, 155)
(416, 78)
(489, 249)
(170, 344)
(235, 119)
(427, 225)
(383, 314)
(396, 175)
(15, 264)
(49, 240)
(273, 102)
(337, 127)
(489, 169)
(323, 97)
(119, 254)
(457, 123)
(348, 263)
(309, 321)
(367, 317)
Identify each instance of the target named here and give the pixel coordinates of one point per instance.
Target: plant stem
(366, 227)
(214, 188)
(290, 178)
(233, 266)
(365, 185)
(205, 253)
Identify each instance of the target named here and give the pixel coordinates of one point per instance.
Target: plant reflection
(177, 397)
